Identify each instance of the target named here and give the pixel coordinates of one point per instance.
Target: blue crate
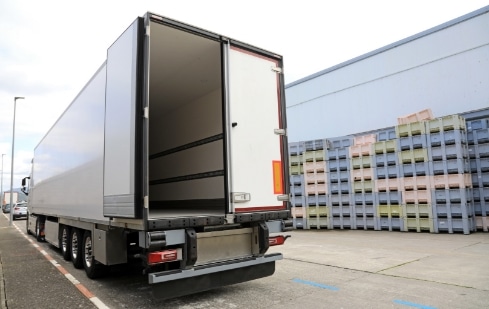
(443, 138)
(448, 152)
(454, 225)
(364, 211)
(339, 176)
(317, 144)
(297, 201)
(474, 125)
(297, 190)
(339, 165)
(341, 222)
(385, 159)
(386, 134)
(481, 208)
(340, 199)
(388, 198)
(299, 223)
(453, 210)
(340, 142)
(457, 196)
(479, 151)
(455, 166)
(480, 179)
(411, 142)
(383, 172)
(364, 223)
(297, 180)
(414, 169)
(390, 224)
(338, 153)
(339, 188)
(317, 200)
(342, 211)
(478, 137)
(479, 165)
(367, 198)
(480, 194)
(296, 148)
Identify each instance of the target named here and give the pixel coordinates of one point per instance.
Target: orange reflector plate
(277, 178)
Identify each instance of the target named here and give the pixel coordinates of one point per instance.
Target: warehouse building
(444, 68)
(360, 158)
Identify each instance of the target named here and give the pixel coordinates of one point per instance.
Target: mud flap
(186, 286)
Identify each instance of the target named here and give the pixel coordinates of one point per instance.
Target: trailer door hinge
(146, 112)
(277, 69)
(280, 132)
(148, 30)
(283, 198)
(240, 197)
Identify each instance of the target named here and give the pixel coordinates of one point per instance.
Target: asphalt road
(321, 269)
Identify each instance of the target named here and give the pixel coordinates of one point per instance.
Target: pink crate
(452, 181)
(417, 183)
(318, 166)
(416, 197)
(365, 139)
(425, 114)
(361, 150)
(297, 212)
(316, 188)
(482, 223)
(388, 184)
(362, 174)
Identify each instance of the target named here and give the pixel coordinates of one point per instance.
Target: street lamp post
(12, 165)
(1, 186)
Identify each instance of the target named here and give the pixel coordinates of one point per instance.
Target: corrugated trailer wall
(430, 175)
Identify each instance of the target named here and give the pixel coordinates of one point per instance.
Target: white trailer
(174, 153)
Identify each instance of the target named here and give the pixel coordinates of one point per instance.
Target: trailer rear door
(255, 163)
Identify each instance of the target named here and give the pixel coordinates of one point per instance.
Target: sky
(49, 49)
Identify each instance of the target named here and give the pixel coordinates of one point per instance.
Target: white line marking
(72, 279)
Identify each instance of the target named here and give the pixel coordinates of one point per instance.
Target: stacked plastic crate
(315, 182)
(452, 183)
(362, 178)
(339, 182)
(415, 176)
(387, 197)
(297, 196)
(478, 144)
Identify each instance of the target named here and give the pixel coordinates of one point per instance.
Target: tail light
(277, 240)
(165, 256)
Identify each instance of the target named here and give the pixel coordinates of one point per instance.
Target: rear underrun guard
(170, 284)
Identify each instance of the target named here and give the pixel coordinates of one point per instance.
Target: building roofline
(445, 25)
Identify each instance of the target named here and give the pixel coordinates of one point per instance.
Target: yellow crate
(389, 211)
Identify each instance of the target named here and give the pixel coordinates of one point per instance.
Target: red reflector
(276, 240)
(162, 256)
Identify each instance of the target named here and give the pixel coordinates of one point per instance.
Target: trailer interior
(186, 146)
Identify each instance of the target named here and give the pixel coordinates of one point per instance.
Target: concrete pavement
(28, 279)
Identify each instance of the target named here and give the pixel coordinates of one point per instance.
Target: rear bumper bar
(205, 270)
(171, 284)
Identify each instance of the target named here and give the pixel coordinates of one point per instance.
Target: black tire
(27, 225)
(39, 230)
(76, 247)
(64, 242)
(93, 269)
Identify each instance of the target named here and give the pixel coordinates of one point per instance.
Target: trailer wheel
(76, 247)
(27, 225)
(64, 243)
(93, 269)
(39, 229)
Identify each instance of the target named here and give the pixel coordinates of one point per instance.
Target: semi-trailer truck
(173, 154)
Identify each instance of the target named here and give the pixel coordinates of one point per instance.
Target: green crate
(447, 123)
(391, 211)
(295, 160)
(418, 225)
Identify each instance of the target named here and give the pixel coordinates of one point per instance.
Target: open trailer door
(255, 130)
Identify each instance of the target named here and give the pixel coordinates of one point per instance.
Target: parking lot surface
(321, 269)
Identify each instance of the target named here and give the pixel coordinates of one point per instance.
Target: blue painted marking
(318, 285)
(406, 303)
